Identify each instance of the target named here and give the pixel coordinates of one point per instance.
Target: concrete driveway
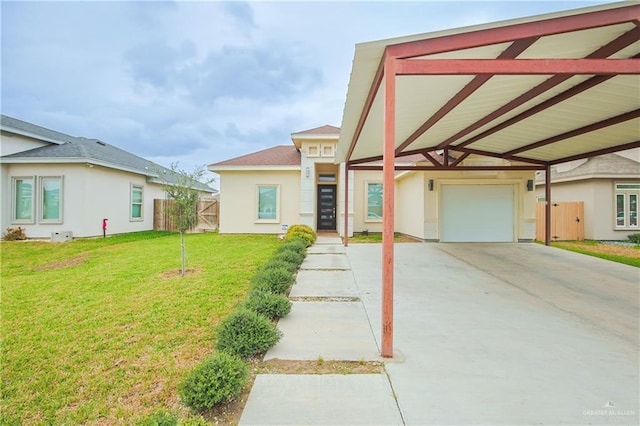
(507, 333)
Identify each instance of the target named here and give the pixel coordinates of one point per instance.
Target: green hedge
(272, 306)
(217, 379)
(273, 280)
(245, 333)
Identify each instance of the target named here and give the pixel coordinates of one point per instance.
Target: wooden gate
(207, 216)
(567, 221)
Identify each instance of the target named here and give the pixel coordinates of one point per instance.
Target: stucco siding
(239, 201)
(410, 204)
(11, 144)
(599, 205)
(89, 194)
(360, 221)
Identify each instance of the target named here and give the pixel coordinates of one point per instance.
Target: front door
(326, 207)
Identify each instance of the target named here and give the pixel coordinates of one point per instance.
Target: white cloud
(201, 82)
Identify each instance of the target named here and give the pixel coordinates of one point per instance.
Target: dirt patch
(178, 272)
(67, 263)
(230, 413)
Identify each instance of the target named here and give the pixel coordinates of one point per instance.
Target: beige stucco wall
(11, 144)
(89, 195)
(410, 204)
(599, 205)
(239, 201)
(417, 209)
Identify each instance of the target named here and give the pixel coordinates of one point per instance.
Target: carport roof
(539, 90)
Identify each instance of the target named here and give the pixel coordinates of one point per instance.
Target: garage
(476, 213)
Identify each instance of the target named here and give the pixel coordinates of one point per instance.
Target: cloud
(241, 11)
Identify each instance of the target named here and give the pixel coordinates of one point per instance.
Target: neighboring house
(609, 186)
(54, 183)
(300, 183)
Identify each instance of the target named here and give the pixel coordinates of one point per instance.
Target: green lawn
(104, 330)
(629, 255)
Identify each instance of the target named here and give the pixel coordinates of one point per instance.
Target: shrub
(272, 306)
(273, 280)
(280, 263)
(245, 333)
(634, 238)
(289, 257)
(159, 418)
(301, 231)
(298, 245)
(14, 234)
(217, 379)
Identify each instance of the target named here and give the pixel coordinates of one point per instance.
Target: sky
(199, 82)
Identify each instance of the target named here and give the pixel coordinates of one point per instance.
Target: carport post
(388, 163)
(345, 208)
(547, 205)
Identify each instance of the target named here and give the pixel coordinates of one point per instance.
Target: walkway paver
(330, 330)
(311, 283)
(357, 399)
(326, 262)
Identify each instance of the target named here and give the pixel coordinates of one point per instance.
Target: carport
(532, 92)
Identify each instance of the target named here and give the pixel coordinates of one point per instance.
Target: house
(609, 187)
(264, 191)
(56, 183)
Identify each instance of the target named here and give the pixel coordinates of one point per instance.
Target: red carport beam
(388, 172)
(346, 204)
(517, 66)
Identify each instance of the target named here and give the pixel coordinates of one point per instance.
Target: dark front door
(326, 207)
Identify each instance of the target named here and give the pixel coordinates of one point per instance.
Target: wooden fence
(207, 216)
(567, 221)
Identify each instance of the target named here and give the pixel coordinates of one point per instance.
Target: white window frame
(257, 205)
(41, 186)
(366, 201)
(131, 188)
(14, 194)
(626, 190)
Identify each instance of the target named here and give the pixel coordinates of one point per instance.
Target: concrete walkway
(512, 334)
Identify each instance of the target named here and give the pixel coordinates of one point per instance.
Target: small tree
(181, 189)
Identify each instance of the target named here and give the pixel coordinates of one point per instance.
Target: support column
(388, 166)
(547, 205)
(346, 205)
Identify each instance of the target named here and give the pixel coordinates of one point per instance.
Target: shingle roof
(322, 130)
(281, 155)
(76, 149)
(604, 165)
(20, 127)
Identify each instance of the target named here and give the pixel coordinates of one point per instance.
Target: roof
(70, 149)
(279, 157)
(602, 166)
(19, 127)
(541, 90)
(322, 130)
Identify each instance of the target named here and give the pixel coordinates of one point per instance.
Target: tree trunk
(182, 245)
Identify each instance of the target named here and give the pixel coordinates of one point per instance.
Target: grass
(105, 330)
(629, 255)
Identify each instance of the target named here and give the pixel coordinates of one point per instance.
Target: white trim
(41, 209)
(257, 203)
(14, 220)
(72, 160)
(367, 219)
(131, 188)
(15, 131)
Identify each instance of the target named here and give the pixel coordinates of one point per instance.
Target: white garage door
(476, 213)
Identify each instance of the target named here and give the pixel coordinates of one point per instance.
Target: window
(626, 208)
(327, 150)
(374, 201)
(322, 177)
(23, 200)
(51, 199)
(313, 151)
(137, 196)
(268, 203)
